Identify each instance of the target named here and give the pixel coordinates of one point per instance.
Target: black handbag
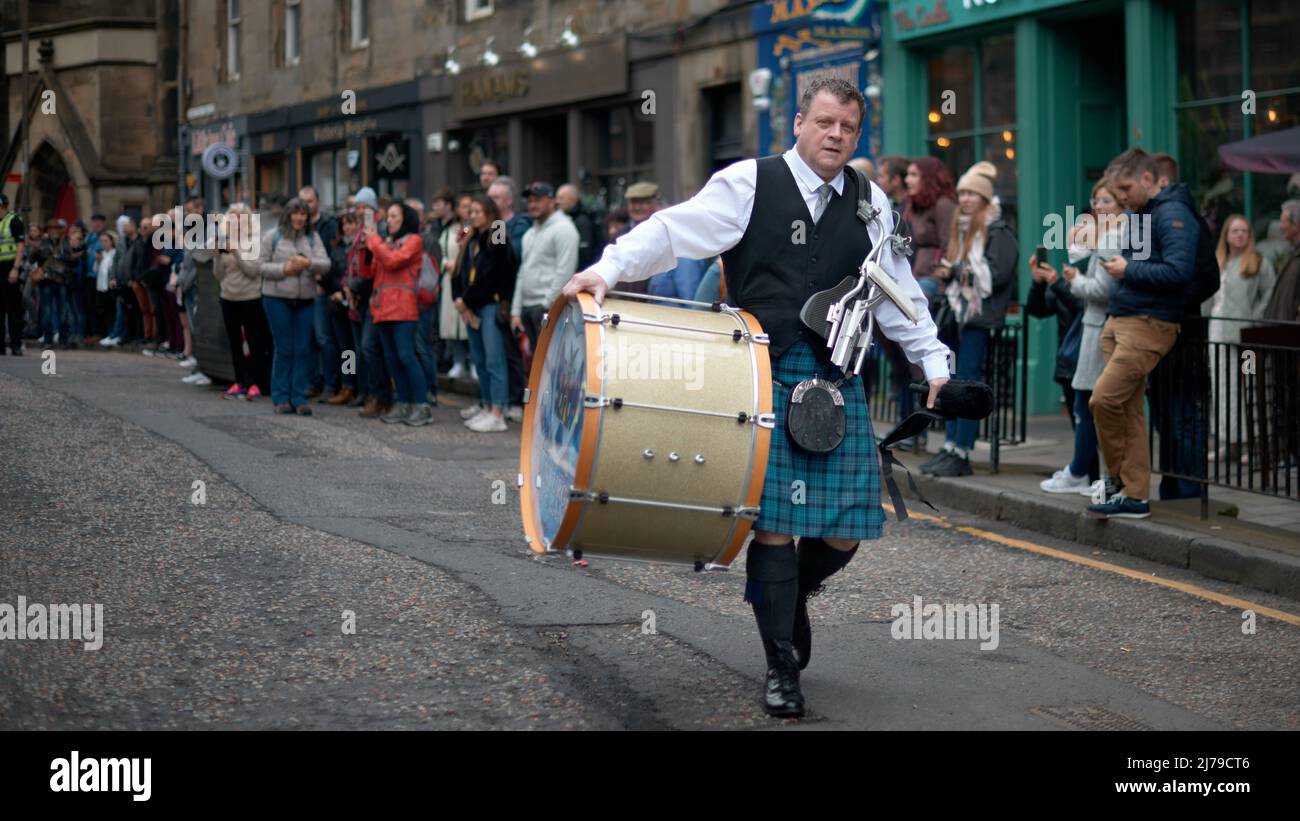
(1067, 355)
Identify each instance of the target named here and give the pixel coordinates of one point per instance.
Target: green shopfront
(1050, 90)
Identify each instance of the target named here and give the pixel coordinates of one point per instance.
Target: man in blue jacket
(1142, 324)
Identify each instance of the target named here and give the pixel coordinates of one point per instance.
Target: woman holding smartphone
(1101, 239)
(485, 279)
(394, 305)
(979, 272)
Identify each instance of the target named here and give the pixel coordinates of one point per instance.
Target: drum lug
(528, 394)
(674, 456)
(595, 401)
(761, 339)
(648, 453)
(519, 480)
(766, 420)
(749, 514)
(699, 566)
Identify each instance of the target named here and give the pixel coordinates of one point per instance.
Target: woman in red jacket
(395, 268)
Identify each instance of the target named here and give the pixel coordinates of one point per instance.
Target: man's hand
(13, 277)
(516, 323)
(589, 281)
(1069, 272)
(1115, 266)
(935, 384)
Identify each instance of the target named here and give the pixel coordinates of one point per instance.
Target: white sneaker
(457, 371)
(201, 379)
(1063, 481)
(108, 342)
(473, 373)
(487, 423)
(515, 413)
(188, 362)
(1102, 489)
(471, 412)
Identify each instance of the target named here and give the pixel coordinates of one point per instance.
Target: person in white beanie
(979, 270)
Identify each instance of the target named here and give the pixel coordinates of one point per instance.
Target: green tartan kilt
(840, 492)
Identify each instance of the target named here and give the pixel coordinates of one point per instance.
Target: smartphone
(369, 218)
(1040, 255)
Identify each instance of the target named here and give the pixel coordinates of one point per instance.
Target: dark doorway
(546, 146)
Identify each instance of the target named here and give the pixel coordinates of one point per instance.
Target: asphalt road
(231, 613)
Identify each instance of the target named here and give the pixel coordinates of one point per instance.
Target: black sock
(772, 588)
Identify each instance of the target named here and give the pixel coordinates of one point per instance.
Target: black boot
(772, 589)
(818, 561)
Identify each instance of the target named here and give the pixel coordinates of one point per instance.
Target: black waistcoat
(770, 275)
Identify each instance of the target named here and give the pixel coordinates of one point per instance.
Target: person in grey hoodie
(550, 258)
(292, 256)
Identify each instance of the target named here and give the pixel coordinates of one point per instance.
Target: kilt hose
(840, 495)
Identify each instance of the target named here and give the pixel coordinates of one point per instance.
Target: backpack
(1205, 282)
(429, 280)
(311, 241)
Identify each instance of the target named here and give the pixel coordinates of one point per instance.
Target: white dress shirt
(715, 219)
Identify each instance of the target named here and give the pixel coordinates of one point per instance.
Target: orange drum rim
(762, 443)
(590, 423)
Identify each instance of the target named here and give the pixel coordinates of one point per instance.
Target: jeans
(970, 365)
(377, 383)
(399, 353)
(76, 311)
(291, 326)
(53, 302)
(487, 345)
(1084, 462)
(424, 348)
(120, 326)
(329, 341)
(929, 287)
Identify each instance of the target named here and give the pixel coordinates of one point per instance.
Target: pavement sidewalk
(1250, 538)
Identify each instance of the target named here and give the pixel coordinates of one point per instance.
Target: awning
(1277, 152)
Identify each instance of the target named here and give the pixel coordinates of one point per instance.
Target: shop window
(330, 177)
(272, 177)
(972, 111)
(1213, 79)
(1209, 50)
(624, 142)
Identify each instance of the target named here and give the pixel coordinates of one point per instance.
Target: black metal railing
(1005, 370)
(1227, 413)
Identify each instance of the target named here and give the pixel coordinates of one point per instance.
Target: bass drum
(646, 431)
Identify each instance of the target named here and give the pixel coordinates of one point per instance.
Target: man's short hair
(194, 200)
(1132, 164)
(94, 217)
(492, 163)
(1166, 166)
(445, 194)
(894, 166)
(842, 90)
(417, 204)
(310, 188)
(508, 183)
(1292, 210)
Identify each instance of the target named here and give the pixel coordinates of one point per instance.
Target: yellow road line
(1042, 550)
